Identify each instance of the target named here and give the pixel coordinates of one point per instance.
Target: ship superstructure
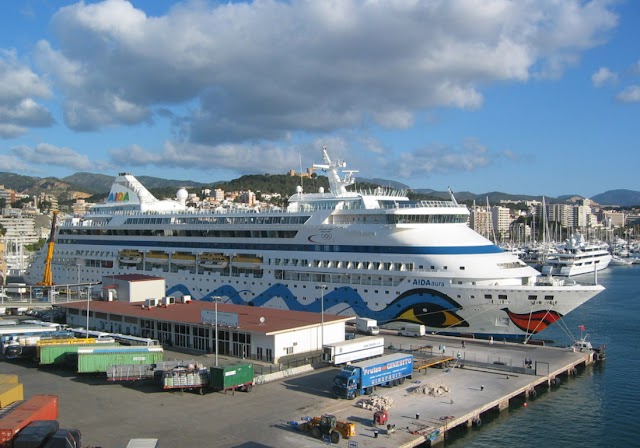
(367, 253)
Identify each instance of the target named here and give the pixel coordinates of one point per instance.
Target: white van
(413, 330)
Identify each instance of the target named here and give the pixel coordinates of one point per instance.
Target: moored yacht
(577, 257)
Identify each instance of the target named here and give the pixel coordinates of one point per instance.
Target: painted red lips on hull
(535, 322)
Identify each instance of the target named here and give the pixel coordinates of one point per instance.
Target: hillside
(96, 186)
(623, 198)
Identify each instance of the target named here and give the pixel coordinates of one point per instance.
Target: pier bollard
(417, 415)
(375, 434)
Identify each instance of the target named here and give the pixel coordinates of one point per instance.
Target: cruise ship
(372, 254)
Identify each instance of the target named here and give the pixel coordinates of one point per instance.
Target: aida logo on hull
(119, 197)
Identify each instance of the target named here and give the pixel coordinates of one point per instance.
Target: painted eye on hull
(533, 322)
(431, 315)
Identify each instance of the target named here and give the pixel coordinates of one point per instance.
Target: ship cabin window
(488, 296)
(472, 296)
(462, 268)
(533, 297)
(433, 268)
(548, 297)
(502, 297)
(444, 267)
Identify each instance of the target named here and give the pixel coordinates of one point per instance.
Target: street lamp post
(88, 298)
(321, 288)
(215, 300)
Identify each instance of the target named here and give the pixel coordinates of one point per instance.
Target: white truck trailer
(367, 326)
(353, 350)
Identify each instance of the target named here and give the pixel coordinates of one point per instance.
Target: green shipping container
(10, 393)
(95, 360)
(8, 378)
(61, 353)
(231, 376)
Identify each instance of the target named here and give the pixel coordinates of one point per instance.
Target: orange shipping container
(38, 407)
(10, 378)
(10, 393)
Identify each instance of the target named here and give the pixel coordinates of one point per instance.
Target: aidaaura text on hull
(374, 253)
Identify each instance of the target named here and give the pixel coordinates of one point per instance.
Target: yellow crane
(47, 278)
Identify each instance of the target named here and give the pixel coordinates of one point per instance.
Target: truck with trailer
(353, 350)
(363, 377)
(367, 326)
(413, 330)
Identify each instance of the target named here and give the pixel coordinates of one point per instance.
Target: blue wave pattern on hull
(346, 296)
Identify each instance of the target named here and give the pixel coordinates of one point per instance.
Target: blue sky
(537, 97)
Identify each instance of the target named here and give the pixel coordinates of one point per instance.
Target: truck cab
(345, 384)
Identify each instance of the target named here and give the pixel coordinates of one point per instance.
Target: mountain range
(87, 185)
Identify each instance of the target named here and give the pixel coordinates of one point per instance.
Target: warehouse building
(259, 333)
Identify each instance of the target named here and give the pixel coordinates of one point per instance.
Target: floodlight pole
(321, 288)
(215, 300)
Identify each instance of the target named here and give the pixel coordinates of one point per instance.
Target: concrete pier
(482, 377)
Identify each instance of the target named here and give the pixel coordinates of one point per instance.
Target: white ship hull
(405, 263)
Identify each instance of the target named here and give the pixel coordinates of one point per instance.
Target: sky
(536, 97)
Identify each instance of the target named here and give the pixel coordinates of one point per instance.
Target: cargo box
(10, 393)
(35, 434)
(95, 360)
(231, 376)
(64, 353)
(8, 378)
(65, 438)
(38, 407)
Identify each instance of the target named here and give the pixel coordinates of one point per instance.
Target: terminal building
(244, 331)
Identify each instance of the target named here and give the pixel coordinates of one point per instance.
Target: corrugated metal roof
(275, 320)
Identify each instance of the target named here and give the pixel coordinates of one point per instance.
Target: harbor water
(601, 406)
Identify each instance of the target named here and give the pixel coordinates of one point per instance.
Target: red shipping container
(38, 407)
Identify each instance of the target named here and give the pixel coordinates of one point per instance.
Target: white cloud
(19, 85)
(630, 94)
(263, 70)
(11, 130)
(15, 164)
(604, 76)
(47, 154)
(240, 158)
(443, 159)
